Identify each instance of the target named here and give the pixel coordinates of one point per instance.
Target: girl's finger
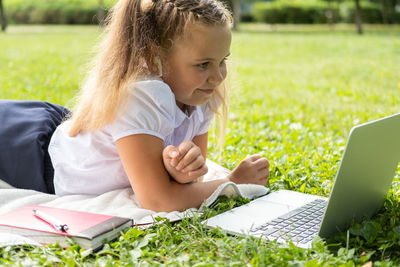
(184, 147)
(171, 153)
(195, 164)
(189, 157)
(199, 172)
(261, 163)
(263, 181)
(263, 174)
(253, 157)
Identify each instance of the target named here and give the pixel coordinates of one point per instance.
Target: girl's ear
(157, 62)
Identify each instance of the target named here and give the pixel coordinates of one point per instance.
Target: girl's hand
(184, 163)
(252, 170)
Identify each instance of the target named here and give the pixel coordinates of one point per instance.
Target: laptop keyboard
(299, 225)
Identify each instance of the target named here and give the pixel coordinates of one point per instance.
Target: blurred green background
(277, 11)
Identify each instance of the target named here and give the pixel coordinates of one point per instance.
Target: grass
(295, 96)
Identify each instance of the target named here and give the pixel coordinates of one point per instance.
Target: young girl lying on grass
(143, 114)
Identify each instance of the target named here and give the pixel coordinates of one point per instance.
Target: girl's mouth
(207, 91)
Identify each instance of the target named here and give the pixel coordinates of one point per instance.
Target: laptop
(365, 174)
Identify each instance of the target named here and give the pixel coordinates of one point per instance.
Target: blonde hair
(137, 32)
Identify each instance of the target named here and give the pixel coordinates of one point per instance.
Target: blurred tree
(234, 6)
(357, 18)
(2, 17)
(101, 13)
(329, 13)
(236, 13)
(357, 13)
(389, 11)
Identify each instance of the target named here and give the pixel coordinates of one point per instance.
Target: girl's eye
(223, 61)
(203, 65)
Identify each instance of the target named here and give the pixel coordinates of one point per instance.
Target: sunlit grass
(297, 91)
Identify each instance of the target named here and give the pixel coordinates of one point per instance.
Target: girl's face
(196, 63)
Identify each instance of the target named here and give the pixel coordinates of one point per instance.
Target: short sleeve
(150, 110)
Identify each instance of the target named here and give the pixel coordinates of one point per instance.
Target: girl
(143, 114)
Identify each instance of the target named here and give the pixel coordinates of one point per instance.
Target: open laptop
(365, 174)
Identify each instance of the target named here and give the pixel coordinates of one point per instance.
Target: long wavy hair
(136, 32)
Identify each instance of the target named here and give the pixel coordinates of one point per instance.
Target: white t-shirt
(89, 163)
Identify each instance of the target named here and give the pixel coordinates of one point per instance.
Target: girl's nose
(217, 76)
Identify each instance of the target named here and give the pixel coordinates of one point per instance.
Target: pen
(51, 220)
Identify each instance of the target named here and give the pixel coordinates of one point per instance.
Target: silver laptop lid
(365, 174)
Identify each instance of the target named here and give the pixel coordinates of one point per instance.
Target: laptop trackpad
(242, 219)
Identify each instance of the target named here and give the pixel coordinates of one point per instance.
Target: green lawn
(296, 93)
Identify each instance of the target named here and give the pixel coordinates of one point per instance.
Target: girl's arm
(202, 142)
(141, 156)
